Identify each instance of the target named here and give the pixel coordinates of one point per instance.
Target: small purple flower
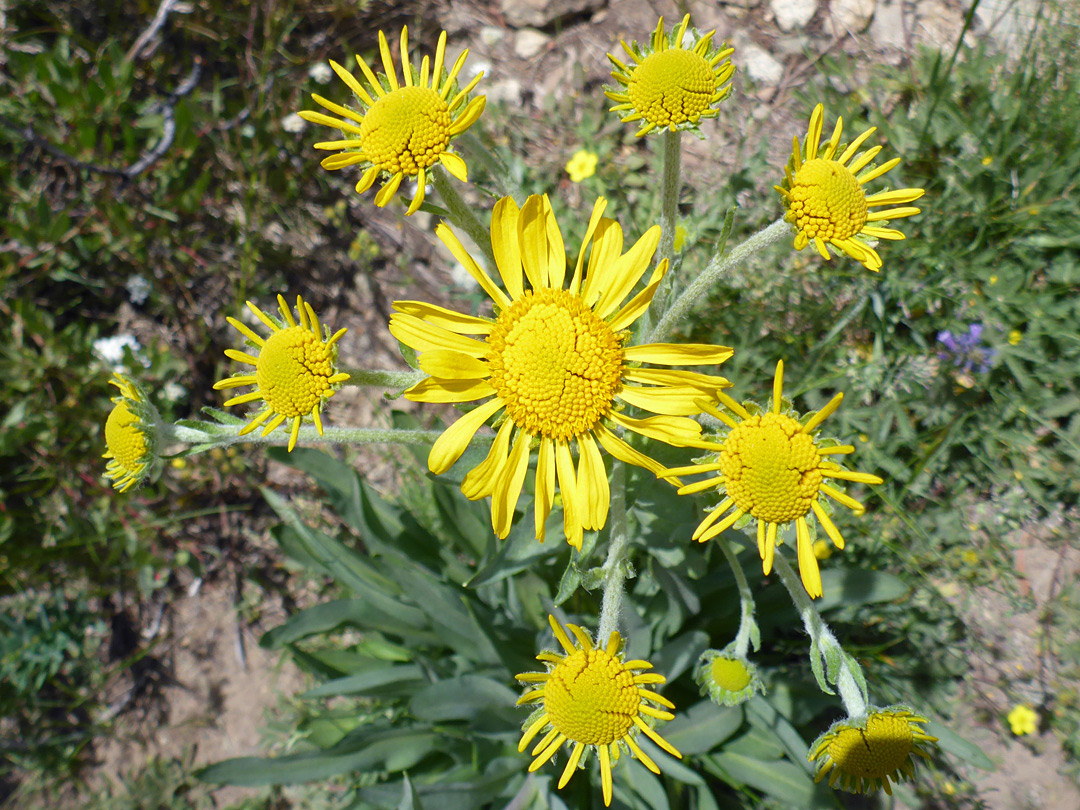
(966, 351)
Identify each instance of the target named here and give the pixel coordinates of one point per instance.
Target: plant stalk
(462, 215)
(746, 598)
(615, 565)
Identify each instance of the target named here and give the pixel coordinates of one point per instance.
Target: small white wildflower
(138, 289)
(475, 68)
(320, 72)
(293, 123)
(111, 349)
(462, 278)
(173, 391)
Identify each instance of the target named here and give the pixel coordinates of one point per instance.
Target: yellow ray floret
(862, 754)
(670, 84)
(591, 699)
(401, 128)
(295, 369)
(825, 199)
(774, 469)
(553, 366)
(131, 436)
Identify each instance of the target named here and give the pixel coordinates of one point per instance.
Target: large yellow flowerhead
(591, 699)
(553, 365)
(131, 436)
(862, 754)
(400, 129)
(773, 468)
(295, 369)
(825, 199)
(671, 86)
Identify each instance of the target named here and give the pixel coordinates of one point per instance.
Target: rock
(887, 29)
(937, 24)
(850, 16)
(491, 36)
(791, 14)
(507, 90)
(528, 42)
(539, 13)
(759, 64)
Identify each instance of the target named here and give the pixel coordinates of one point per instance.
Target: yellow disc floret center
(771, 468)
(673, 86)
(591, 698)
(555, 363)
(730, 674)
(293, 371)
(880, 749)
(406, 130)
(826, 201)
(124, 437)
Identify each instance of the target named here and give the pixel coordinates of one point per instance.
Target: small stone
(887, 28)
(759, 64)
(507, 90)
(792, 14)
(540, 13)
(528, 42)
(491, 35)
(850, 16)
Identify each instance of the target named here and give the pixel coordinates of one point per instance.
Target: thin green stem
(715, 270)
(506, 185)
(212, 434)
(615, 566)
(379, 378)
(669, 212)
(746, 599)
(849, 680)
(462, 215)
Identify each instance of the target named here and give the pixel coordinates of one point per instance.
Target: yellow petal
(452, 443)
(606, 249)
(433, 389)
(389, 189)
(505, 245)
(670, 401)
(453, 365)
(592, 483)
(479, 482)
(508, 483)
(572, 505)
(625, 453)
(455, 165)
(533, 240)
(594, 222)
(450, 239)
(677, 354)
(445, 318)
(422, 336)
(674, 430)
(627, 271)
(705, 383)
(545, 485)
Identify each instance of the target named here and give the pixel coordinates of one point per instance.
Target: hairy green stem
(615, 565)
(379, 378)
(211, 433)
(746, 598)
(716, 268)
(506, 185)
(462, 215)
(669, 209)
(848, 681)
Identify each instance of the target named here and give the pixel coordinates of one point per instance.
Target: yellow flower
(400, 129)
(670, 85)
(295, 369)
(591, 698)
(582, 165)
(1023, 720)
(131, 436)
(826, 201)
(864, 753)
(1015, 336)
(553, 363)
(727, 677)
(773, 469)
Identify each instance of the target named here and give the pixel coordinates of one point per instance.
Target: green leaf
(857, 586)
(638, 779)
(391, 750)
(679, 654)
(779, 779)
(480, 701)
(569, 582)
(520, 551)
(763, 716)
(954, 744)
(702, 727)
(409, 799)
(384, 681)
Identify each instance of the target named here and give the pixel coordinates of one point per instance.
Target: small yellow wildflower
(1023, 720)
(591, 698)
(986, 161)
(400, 129)
(993, 280)
(582, 165)
(822, 549)
(553, 365)
(669, 85)
(295, 370)
(131, 436)
(680, 238)
(825, 199)
(1015, 336)
(772, 468)
(864, 753)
